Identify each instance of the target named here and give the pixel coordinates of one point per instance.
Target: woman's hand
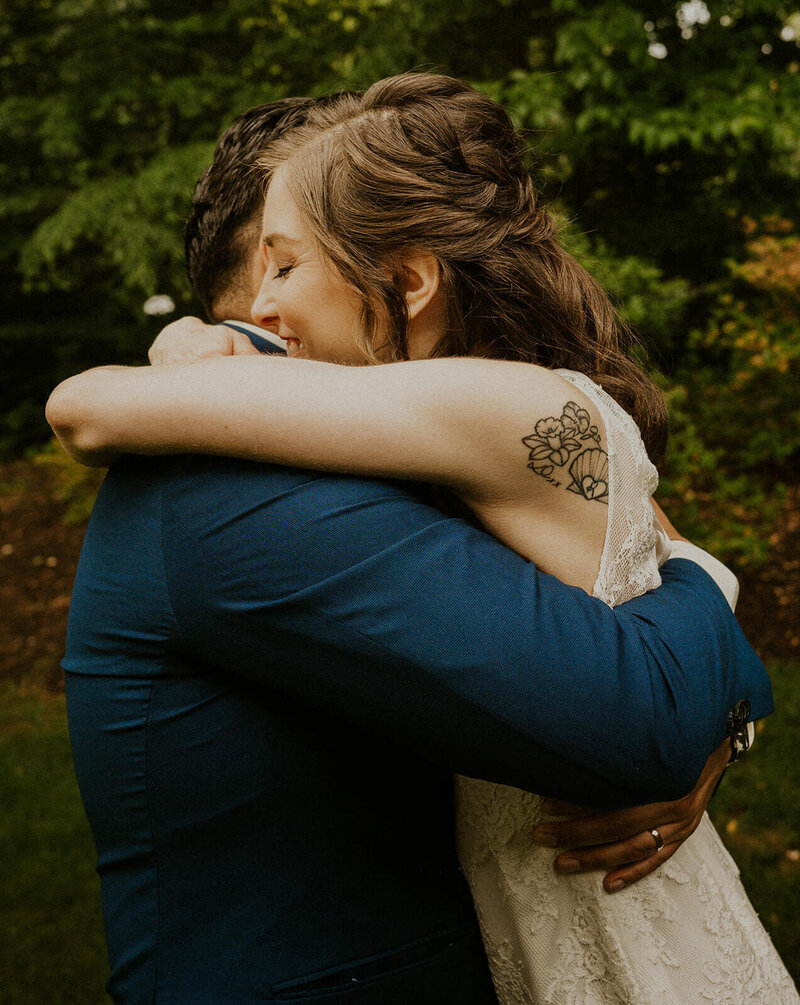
(189, 339)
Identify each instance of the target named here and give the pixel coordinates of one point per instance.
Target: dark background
(666, 136)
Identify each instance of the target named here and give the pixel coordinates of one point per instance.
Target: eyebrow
(271, 239)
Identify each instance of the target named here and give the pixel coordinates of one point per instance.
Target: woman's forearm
(205, 406)
(365, 420)
(459, 423)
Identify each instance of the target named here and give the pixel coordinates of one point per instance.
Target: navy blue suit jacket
(271, 675)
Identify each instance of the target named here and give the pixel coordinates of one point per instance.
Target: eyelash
(282, 273)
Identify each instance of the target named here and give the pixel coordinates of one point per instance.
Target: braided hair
(423, 162)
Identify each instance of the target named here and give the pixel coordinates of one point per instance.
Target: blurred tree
(651, 128)
(736, 407)
(665, 122)
(655, 130)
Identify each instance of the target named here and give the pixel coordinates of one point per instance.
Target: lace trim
(686, 933)
(628, 566)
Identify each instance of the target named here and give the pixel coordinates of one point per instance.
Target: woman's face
(302, 299)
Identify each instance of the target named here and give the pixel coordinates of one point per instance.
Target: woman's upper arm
(456, 422)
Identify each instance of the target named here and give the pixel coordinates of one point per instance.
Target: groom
(271, 675)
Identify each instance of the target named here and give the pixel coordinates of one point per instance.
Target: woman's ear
(419, 281)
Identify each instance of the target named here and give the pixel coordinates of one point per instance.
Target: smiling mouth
(293, 345)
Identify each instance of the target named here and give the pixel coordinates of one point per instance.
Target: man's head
(222, 231)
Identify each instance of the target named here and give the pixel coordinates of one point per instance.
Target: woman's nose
(264, 311)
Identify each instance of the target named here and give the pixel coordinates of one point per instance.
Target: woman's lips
(293, 345)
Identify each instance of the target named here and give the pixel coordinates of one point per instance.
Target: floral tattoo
(570, 440)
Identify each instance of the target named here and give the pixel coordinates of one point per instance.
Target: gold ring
(659, 839)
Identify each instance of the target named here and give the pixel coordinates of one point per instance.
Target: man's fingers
(622, 843)
(606, 828)
(613, 856)
(618, 879)
(558, 808)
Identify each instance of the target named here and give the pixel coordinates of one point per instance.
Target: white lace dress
(685, 934)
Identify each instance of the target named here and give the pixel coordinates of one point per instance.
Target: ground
(38, 557)
(58, 956)
(39, 554)
(769, 603)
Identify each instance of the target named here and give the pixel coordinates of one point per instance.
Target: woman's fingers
(240, 344)
(175, 341)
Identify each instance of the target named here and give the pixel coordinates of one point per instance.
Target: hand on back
(189, 339)
(623, 841)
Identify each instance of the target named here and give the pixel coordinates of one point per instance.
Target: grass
(757, 811)
(53, 949)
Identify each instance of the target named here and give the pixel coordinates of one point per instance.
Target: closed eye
(281, 273)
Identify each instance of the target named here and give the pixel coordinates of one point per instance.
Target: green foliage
(72, 483)
(726, 510)
(654, 153)
(109, 104)
(748, 356)
(53, 947)
(133, 225)
(40, 352)
(736, 407)
(656, 134)
(656, 306)
(756, 812)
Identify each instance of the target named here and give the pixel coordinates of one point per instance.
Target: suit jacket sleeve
(363, 602)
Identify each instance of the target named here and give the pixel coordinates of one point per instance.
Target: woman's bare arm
(456, 422)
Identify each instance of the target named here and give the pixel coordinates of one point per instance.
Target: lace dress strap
(686, 933)
(633, 548)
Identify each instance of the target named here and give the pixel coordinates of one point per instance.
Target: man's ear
(420, 275)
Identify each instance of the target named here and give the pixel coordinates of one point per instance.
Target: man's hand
(621, 841)
(189, 339)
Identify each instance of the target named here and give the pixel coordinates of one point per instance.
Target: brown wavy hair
(225, 214)
(423, 162)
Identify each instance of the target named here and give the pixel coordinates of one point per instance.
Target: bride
(401, 228)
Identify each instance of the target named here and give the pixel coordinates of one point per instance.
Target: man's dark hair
(228, 196)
